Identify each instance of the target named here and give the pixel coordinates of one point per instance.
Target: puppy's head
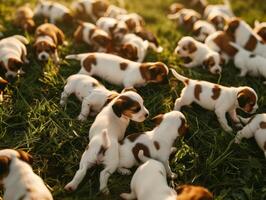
(189, 192)
(247, 99)
(231, 27)
(119, 31)
(154, 72)
(186, 47)
(189, 21)
(13, 66)
(129, 51)
(212, 63)
(4, 167)
(175, 7)
(99, 7)
(147, 35)
(44, 50)
(129, 104)
(101, 38)
(218, 21)
(202, 32)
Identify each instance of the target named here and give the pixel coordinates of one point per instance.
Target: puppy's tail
(142, 157)
(21, 39)
(75, 56)
(179, 76)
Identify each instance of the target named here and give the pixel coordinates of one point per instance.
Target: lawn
(32, 119)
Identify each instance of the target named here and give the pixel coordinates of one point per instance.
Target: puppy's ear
(191, 47)
(14, 64)
(158, 119)
(129, 89)
(26, 157)
(256, 23)
(4, 166)
(102, 40)
(242, 99)
(118, 106)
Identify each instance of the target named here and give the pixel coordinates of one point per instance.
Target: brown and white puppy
(200, 55)
(13, 54)
(254, 127)
(217, 98)
(54, 11)
(260, 29)
(3, 84)
(93, 95)
(121, 71)
(242, 34)
(24, 18)
(47, 39)
(192, 192)
(18, 179)
(155, 144)
(185, 18)
(113, 11)
(117, 29)
(93, 9)
(133, 21)
(202, 29)
(108, 128)
(97, 38)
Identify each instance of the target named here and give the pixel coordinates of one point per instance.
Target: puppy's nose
(147, 115)
(43, 57)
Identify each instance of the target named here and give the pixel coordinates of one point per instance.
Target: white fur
(226, 102)
(23, 182)
(149, 183)
(206, 29)
(108, 68)
(92, 97)
(253, 129)
(202, 53)
(164, 134)
(106, 131)
(54, 13)
(13, 47)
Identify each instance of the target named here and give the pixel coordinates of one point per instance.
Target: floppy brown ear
(118, 107)
(242, 99)
(4, 166)
(206, 63)
(26, 157)
(129, 89)
(158, 119)
(102, 40)
(192, 47)
(53, 48)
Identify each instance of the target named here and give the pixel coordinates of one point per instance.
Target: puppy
(249, 63)
(202, 29)
(185, 18)
(24, 18)
(13, 54)
(90, 92)
(255, 127)
(120, 71)
(54, 11)
(93, 9)
(117, 29)
(108, 128)
(133, 21)
(3, 84)
(200, 54)
(47, 39)
(97, 38)
(134, 48)
(150, 182)
(175, 7)
(113, 11)
(218, 98)
(19, 180)
(155, 144)
(219, 15)
(243, 35)
(192, 192)
(260, 29)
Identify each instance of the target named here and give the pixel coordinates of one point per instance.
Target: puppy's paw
(124, 171)
(237, 139)
(70, 187)
(81, 118)
(62, 103)
(105, 191)
(125, 196)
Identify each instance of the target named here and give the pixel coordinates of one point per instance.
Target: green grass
(32, 119)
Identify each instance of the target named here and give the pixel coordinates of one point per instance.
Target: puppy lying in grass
(24, 18)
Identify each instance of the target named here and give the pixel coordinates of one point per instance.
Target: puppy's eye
(136, 109)
(184, 48)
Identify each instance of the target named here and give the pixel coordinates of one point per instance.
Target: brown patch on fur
(158, 119)
(101, 40)
(89, 61)
(189, 192)
(251, 43)
(102, 150)
(209, 63)
(223, 42)
(189, 21)
(262, 33)
(197, 91)
(153, 72)
(196, 32)
(191, 47)
(217, 21)
(26, 157)
(4, 166)
(110, 98)
(78, 35)
(156, 144)
(124, 105)
(232, 26)
(133, 137)
(14, 64)
(263, 125)
(246, 99)
(131, 24)
(175, 7)
(137, 148)
(99, 8)
(123, 66)
(148, 35)
(186, 81)
(130, 52)
(67, 18)
(183, 129)
(216, 91)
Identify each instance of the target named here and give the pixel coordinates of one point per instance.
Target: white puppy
(217, 98)
(134, 47)
(202, 29)
(120, 71)
(90, 92)
(200, 55)
(149, 183)
(155, 144)
(19, 180)
(255, 127)
(13, 54)
(249, 63)
(54, 11)
(108, 128)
